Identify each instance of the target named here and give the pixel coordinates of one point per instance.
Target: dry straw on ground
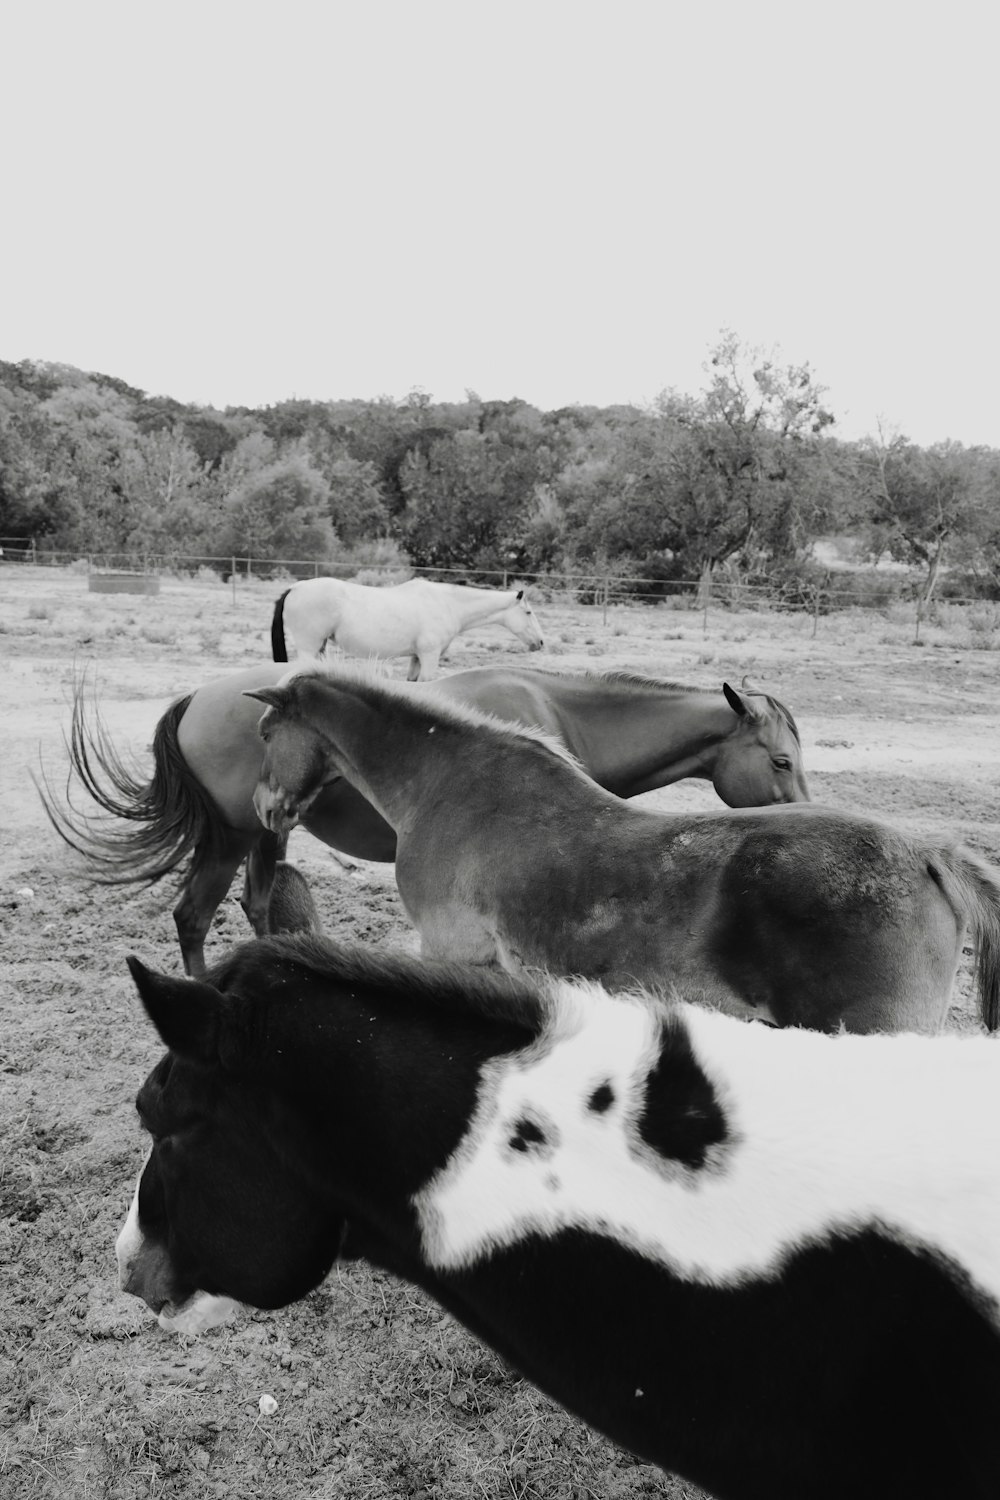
(379, 1394)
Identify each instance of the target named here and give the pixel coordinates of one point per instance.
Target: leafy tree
(31, 504)
(166, 485)
(357, 509)
(923, 501)
(468, 496)
(745, 474)
(744, 456)
(253, 453)
(357, 503)
(278, 511)
(91, 429)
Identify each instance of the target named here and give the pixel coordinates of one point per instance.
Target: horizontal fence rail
(836, 590)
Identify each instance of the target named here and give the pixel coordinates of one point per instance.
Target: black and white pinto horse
(767, 1261)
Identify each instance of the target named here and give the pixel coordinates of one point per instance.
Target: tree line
(746, 474)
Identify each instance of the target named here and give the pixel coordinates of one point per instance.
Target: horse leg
(427, 664)
(413, 675)
(203, 892)
(259, 878)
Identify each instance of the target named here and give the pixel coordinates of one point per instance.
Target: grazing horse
(766, 1261)
(631, 734)
(418, 619)
(507, 853)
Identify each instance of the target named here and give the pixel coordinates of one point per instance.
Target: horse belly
(370, 633)
(384, 625)
(343, 819)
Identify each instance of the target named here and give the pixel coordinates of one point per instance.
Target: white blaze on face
(824, 1134)
(200, 1312)
(129, 1241)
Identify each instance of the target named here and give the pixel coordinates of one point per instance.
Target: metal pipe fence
(837, 591)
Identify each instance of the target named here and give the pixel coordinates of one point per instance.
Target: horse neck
(379, 749)
(633, 739)
(476, 606)
(361, 1067)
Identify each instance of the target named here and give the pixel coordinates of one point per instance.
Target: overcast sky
(231, 203)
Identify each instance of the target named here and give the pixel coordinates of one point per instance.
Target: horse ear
(272, 696)
(735, 702)
(184, 1011)
(739, 704)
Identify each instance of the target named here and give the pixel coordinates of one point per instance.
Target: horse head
(296, 765)
(522, 621)
(213, 1161)
(761, 761)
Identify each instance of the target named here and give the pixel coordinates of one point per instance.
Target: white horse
(418, 619)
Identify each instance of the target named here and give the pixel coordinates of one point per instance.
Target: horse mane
(459, 989)
(461, 715)
(638, 681)
(779, 709)
(656, 684)
(530, 1003)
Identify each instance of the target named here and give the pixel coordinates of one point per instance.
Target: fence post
(815, 610)
(604, 612)
(232, 579)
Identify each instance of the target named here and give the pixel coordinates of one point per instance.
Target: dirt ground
(379, 1394)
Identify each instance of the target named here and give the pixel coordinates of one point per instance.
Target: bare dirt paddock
(379, 1393)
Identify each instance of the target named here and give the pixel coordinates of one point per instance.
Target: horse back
(511, 694)
(800, 914)
(835, 919)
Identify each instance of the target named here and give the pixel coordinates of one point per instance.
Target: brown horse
(631, 734)
(507, 853)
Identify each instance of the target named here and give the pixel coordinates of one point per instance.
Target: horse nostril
(129, 1282)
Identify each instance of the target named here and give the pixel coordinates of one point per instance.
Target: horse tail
(169, 816)
(977, 894)
(279, 651)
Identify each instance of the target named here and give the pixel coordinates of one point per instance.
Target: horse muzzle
(144, 1271)
(276, 808)
(798, 792)
(143, 1265)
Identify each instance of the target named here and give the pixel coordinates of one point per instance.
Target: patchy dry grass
(380, 1394)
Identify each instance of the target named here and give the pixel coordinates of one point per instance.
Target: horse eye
(781, 763)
